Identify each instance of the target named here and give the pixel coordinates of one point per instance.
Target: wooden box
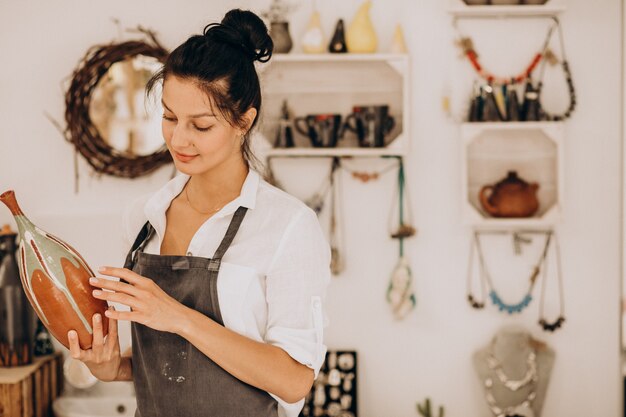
(28, 391)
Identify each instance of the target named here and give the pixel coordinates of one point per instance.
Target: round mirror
(107, 117)
(119, 111)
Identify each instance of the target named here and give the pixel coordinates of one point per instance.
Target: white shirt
(273, 278)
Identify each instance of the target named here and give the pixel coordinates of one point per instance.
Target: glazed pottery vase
(279, 32)
(55, 279)
(361, 36)
(313, 40)
(16, 315)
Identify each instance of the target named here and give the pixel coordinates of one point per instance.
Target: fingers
(98, 338)
(121, 298)
(123, 315)
(126, 275)
(112, 335)
(116, 286)
(75, 351)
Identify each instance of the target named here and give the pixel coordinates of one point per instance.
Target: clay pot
(511, 197)
(279, 32)
(55, 279)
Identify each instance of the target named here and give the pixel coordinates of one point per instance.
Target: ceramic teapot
(511, 197)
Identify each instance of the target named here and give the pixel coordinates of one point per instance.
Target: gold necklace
(195, 209)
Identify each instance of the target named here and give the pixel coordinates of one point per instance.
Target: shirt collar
(158, 204)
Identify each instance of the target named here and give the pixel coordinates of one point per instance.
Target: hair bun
(245, 30)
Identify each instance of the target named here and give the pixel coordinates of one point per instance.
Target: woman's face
(197, 136)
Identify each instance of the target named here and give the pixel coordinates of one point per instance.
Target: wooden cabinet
(28, 391)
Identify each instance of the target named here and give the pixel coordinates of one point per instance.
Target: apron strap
(145, 234)
(233, 227)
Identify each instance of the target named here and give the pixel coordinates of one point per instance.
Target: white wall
(429, 353)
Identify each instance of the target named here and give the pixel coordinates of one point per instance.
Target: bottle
(15, 313)
(43, 344)
(55, 278)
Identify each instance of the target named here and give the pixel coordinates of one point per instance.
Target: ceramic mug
(371, 124)
(323, 130)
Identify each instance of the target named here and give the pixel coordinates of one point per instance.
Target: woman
(248, 343)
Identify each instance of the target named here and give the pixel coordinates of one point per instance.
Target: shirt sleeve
(296, 285)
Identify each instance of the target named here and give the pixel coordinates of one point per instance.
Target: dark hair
(221, 62)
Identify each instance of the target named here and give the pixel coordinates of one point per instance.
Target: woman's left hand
(151, 306)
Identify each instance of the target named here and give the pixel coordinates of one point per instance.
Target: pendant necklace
(200, 211)
(545, 325)
(487, 281)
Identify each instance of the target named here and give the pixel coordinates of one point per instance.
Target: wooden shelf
(460, 10)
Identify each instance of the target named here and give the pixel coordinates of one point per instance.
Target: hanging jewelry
(514, 385)
(473, 301)
(368, 176)
(568, 78)
(493, 295)
(400, 293)
(467, 46)
(337, 264)
(552, 326)
(525, 406)
(405, 228)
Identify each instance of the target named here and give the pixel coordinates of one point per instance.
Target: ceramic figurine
(398, 46)
(313, 41)
(56, 280)
(361, 36)
(338, 42)
(15, 313)
(511, 197)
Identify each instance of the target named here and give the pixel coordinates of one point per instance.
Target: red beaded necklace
(467, 45)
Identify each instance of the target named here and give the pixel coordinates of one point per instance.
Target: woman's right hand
(104, 358)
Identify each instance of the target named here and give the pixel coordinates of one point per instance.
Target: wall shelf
(459, 9)
(534, 150)
(334, 84)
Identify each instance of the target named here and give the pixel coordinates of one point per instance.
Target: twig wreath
(80, 130)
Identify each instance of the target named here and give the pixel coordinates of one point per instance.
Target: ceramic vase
(361, 36)
(55, 279)
(279, 32)
(338, 42)
(15, 314)
(398, 46)
(313, 40)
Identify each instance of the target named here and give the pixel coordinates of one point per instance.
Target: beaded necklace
(487, 282)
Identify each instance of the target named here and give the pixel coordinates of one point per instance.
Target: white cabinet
(334, 83)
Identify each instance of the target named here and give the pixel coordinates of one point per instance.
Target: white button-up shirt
(273, 278)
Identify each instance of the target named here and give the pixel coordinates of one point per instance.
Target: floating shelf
(533, 149)
(314, 84)
(460, 9)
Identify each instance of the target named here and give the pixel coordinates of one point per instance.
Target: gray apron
(172, 377)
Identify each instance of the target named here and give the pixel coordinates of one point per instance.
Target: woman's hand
(103, 359)
(151, 306)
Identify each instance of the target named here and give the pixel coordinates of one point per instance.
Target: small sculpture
(338, 42)
(313, 40)
(511, 197)
(398, 46)
(361, 36)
